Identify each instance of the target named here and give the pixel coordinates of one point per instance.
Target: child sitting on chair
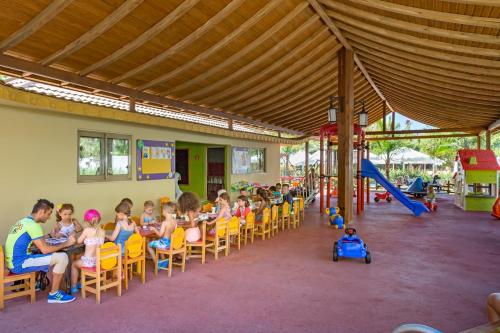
(224, 204)
(124, 226)
(147, 215)
(189, 204)
(243, 209)
(244, 192)
(287, 196)
(168, 226)
(65, 225)
(93, 237)
(277, 192)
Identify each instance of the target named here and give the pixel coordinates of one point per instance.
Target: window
(103, 157)
(257, 160)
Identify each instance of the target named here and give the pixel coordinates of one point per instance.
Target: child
(224, 203)
(287, 196)
(147, 215)
(243, 209)
(264, 202)
(244, 192)
(93, 237)
(168, 226)
(189, 204)
(124, 226)
(65, 225)
(128, 202)
(431, 195)
(277, 193)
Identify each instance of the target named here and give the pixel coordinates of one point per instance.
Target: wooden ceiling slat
(127, 7)
(405, 25)
(431, 15)
(474, 61)
(250, 83)
(55, 7)
(427, 72)
(271, 5)
(191, 38)
(179, 11)
(241, 53)
(348, 23)
(205, 92)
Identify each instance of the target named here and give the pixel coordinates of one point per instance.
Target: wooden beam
(488, 139)
(384, 114)
(494, 125)
(473, 130)
(255, 63)
(57, 74)
(478, 141)
(191, 38)
(47, 14)
(230, 124)
(188, 84)
(146, 36)
(414, 137)
(306, 163)
(345, 133)
(122, 11)
(393, 122)
(406, 25)
(431, 15)
(336, 31)
(220, 45)
(131, 104)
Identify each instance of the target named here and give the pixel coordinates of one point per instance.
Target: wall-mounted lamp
(332, 110)
(363, 115)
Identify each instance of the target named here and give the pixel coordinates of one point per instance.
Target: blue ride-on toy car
(351, 246)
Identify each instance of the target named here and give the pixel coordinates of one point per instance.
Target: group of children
(188, 204)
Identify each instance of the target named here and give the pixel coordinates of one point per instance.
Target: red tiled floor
(436, 269)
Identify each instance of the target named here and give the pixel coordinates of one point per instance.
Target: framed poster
(155, 159)
(240, 160)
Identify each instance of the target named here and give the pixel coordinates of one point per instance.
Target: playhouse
(476, 177)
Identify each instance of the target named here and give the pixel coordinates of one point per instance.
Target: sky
(414, 124)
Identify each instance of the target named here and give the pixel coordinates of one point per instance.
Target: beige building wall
(39, 160)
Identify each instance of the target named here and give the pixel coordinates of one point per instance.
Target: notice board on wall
(155, 159)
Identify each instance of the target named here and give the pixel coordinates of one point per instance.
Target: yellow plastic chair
(135, 253)
(234, 232)
(164, 200)
(177, 246)
(285, 216)
(28, 285)
(264, 228)
(109, 226)
(295, 217)
(109, 261)
(274, 220)
(249, 228)
(302, 210)
(198, 249)
(137, 220)
(219, 241)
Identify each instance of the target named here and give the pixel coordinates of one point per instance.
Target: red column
(321, 176)
(368, 178)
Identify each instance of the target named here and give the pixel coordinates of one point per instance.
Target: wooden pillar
(393, 124)
(131, 104)
(478, 141)
(488, 139)
(384, 114)
(230, 125)
(368, 178)
(345, 132)
(306, 164)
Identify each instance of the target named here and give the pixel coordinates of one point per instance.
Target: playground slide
(369, 170)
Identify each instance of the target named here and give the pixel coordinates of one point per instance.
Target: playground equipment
(351, 246)
(496, 209)
(383, 196)
(335, 219)
(417, 188)
(368, 169)
(328, 166)
(431, 206)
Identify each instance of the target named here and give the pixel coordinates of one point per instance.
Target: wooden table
(486, 328)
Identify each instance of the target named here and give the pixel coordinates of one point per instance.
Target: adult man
(28, 231)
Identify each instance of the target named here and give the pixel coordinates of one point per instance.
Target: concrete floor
(436, 269)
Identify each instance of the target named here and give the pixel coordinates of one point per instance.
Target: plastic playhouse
(476, 179)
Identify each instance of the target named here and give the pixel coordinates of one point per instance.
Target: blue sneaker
(163, 264)
(60, 297)
(76, 288)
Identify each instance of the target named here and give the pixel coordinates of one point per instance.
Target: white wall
(39, 160)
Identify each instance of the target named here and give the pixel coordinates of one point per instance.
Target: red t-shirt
(242, 212)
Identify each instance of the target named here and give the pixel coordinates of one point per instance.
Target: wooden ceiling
(272, 63)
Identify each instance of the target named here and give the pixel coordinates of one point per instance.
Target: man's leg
(60, 261)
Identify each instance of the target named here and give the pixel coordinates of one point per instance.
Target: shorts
(89, 262)
(33, 263)
(162, 244)
(193, 234)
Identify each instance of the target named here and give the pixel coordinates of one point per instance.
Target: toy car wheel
(376, 199)
(335, 256)
(368, 258)
(389, 199)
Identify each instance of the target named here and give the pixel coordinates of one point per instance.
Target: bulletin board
(240, 160)
(155, 159)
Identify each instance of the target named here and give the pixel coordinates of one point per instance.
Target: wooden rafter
(241, 53)
(47, 14)
(122, 11)
(209, 24)
(146, 36)
(220, 45)
(56, 74)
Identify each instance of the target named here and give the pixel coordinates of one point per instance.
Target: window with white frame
(103, 157)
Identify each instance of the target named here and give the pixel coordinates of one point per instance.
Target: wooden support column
(306, 164)
(478, 141)
(488, 139)
(384, 114)
(345, 132)
(131, 104)
(393, 123)
(230, 125)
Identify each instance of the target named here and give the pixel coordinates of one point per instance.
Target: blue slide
(368, 169)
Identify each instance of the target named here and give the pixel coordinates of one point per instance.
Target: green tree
(286, 152)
